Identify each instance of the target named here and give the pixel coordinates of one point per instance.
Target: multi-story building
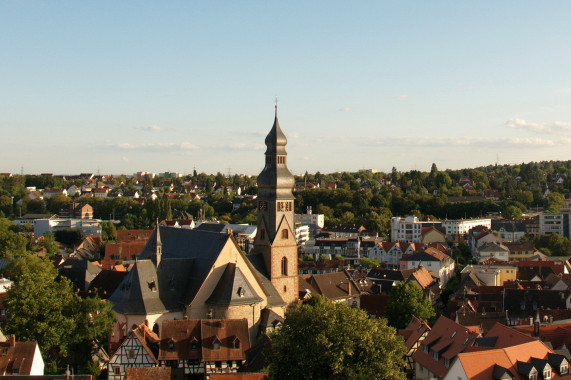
(410, 228)
(310, 218)
(559, 223)
(460, 227)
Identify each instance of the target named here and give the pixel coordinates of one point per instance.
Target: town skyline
(173, 87)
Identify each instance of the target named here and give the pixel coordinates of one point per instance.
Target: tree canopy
(42, 309)
(407, 300)
(325, 340)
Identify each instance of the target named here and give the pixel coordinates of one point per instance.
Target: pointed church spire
(158, 244)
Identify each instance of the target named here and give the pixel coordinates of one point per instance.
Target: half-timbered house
(203, 347)
(139, 349)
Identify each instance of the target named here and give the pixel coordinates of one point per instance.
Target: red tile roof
(480, 365)
(447, 338)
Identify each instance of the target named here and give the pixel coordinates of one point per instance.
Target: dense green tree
(108, 231)
(554, 202)
(406, 300)
(512, 212)
(326, 340)
(55, 203)
(40, 308)
(12, 244)
(369, 263)
(43, 309)
(553, 245)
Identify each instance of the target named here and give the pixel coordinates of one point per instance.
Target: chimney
(536, 329)
(12, 340)
(551, 319)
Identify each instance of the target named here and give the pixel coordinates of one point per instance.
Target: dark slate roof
(420, 256)
(500, 372)
(79, 272)
(210, 227)
(524, 368)
(233, 289)
(187, 257)
(486, 342)
(106, 282)
(525, 302)
(269, 319)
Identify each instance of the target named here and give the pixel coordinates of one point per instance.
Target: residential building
(559, 223)
(492, 275)
(532, 361)
(344, 230)
(334, 286)
(139, 349)
(20, 358)
(509, 230)
(409, 229)
(413, 335)
(310, 218)
(461, 227)
(433, 234)
(434, 261)
(440, 348)
(203, 347)
(493, 249)
(53, 224)
(76, 211)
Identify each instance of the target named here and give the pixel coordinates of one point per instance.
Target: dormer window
(446, 362)
(435, 355)
(237, 344)
(241, 292)
(216, 344)
(425, 349)
(171, 346)
(194, 345)
(547, 373)
(533, 376)
(564, 369)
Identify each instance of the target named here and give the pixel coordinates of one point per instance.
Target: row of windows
(194, 346)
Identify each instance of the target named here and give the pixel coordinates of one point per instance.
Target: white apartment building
(462, 226)
(559, 223)
(301, 234)
(310, 218)
(409, 229)
(41, 226)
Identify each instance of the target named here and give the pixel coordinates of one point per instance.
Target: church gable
(285, 236)
(233, 289)
(262, 236)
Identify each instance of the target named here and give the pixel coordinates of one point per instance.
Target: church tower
(275, 238)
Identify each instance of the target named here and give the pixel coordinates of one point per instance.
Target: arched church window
(285, 234)
(284, 266)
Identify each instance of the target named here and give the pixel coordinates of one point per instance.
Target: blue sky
(132, 86)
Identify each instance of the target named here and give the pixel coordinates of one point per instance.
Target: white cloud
(555, 128)
(183, 146)
(345, 109)
(402, 97)
(152, 128)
